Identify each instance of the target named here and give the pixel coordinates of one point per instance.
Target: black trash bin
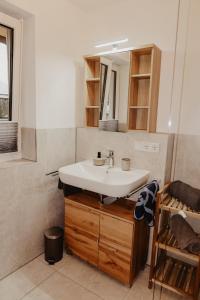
(53, 239)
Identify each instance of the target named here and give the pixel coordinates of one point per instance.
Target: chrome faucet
(110, 158)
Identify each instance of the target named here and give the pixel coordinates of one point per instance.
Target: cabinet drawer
(116, 232)
(81, 245)
(84, 218)
(115, 263)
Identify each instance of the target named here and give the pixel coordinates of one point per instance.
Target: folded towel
(184, 234)
(186, 194)
(145, 206)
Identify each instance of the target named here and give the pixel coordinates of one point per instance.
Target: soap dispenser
(99, 161)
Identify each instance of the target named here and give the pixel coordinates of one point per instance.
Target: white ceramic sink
(111, 182)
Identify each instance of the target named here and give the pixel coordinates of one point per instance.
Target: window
(109, 90)
(10, 66)
(6, 63)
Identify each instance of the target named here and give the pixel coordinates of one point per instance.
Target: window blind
(8, 136)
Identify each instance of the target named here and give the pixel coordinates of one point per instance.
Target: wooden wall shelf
(144, 88)
(144, 78)
(92, 90)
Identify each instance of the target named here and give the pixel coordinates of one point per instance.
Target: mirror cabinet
(121, 89)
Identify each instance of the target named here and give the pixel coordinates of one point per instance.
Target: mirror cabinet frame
(144, 80)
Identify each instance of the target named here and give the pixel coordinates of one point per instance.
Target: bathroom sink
(103, 180)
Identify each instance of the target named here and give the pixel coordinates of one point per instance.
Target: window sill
(6, 157)
(15, 162)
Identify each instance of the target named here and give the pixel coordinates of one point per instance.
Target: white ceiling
(93, 4)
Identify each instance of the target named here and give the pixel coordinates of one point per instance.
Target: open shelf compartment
(92, 116)
(172, 204)
(93, 68)
(141, 61)
(175, 275)
(166, 241)
(92, 93)
(138, 118)
(139, 91)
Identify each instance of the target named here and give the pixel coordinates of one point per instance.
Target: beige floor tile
(168, 295)
(58, 287)
(140, 290)
(19, 283)
(57, 265)
(36, 271)
(77, 270)
(93, 279)
(15, 286)
(107, 288)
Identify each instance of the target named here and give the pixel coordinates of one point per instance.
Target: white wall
(190, 108)
(28, 101)
(62, 38)
(60, 30)
(187, 159)
(143, 22)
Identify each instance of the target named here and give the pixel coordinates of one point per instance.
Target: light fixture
(115, 51)
(114, 44)
(169, 123)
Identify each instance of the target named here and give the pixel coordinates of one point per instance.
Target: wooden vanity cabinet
(82, 230)
(106, 236)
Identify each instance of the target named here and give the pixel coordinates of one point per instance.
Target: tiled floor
(72, 279)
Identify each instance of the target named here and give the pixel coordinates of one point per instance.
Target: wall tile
(188, 159)
(28, 137)
(92, 140)
(30, 201)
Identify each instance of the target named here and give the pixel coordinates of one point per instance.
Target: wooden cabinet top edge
(122, 209)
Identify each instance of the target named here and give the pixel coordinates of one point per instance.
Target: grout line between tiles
(60, 273)
(28, 262)
(81, 285)
(42, 281)
(76, 282)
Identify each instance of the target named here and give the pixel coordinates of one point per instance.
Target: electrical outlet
(147, 147)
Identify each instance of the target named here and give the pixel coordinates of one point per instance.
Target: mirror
(114, 82)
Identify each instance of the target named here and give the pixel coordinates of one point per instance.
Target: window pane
(6, 42)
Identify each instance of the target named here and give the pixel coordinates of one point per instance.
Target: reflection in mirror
(104, 71)
(6, 51)
(114, 91)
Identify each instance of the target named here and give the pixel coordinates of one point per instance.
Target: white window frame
(16, 24)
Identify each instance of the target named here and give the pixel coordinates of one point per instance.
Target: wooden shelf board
(174, 205)
(167, 241)
(170, 288)
(97, 79)
(93, 58)
(177, 251)
(142, 130)
(141, 76)
(171, 273)
(121, 209)
(139, 107)
(92, 106)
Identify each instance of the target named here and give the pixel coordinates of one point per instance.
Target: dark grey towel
(186, 194)
(184, 234)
